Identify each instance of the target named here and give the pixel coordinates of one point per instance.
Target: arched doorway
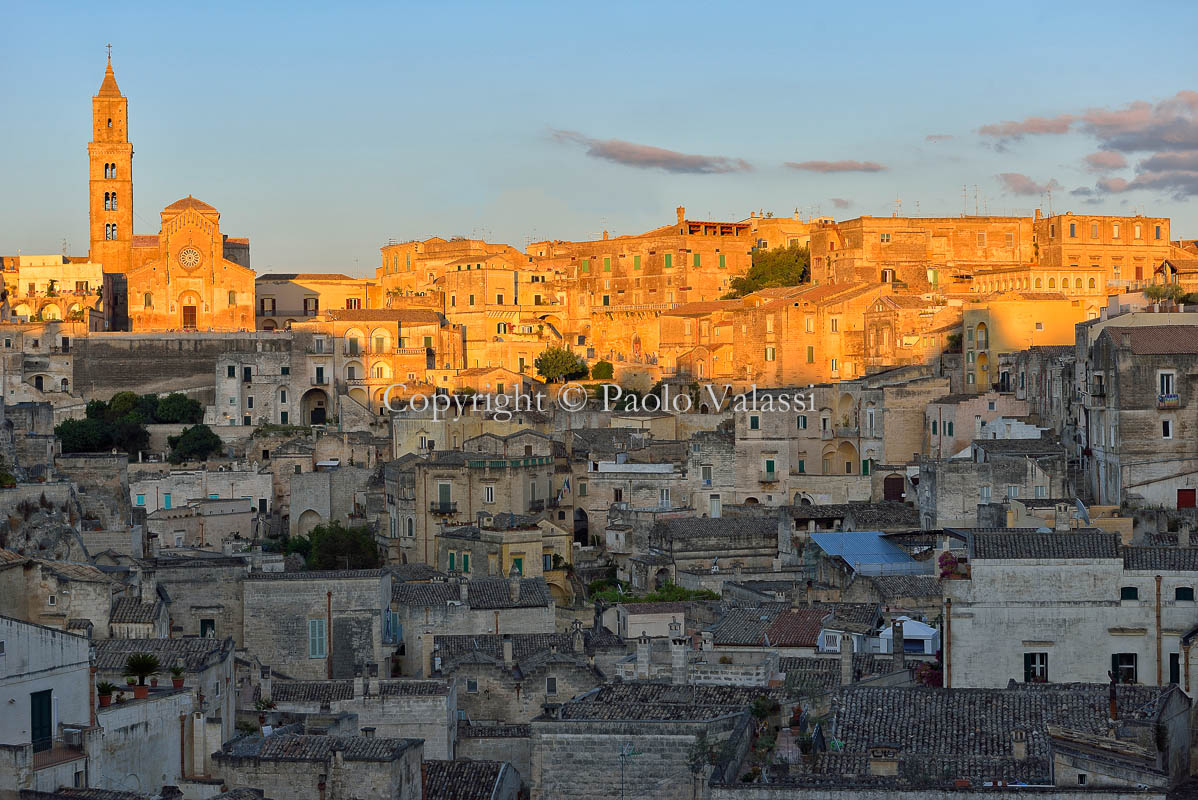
(315, 407)
(307, 521)
(51, 312)
(189, 304)
(582, 527)
(38, 382)
(893, 488)
(661, 578)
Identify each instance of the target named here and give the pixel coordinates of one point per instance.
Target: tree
(334, 546)
(1168, 291)
(196, 443)
(179, 407)
(602, 371)
(558, 363)
(120, 404)
(129, 434)
(84, 435)
(781, 266)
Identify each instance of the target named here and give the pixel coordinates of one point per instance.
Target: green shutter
(1027, 667)
(698, 260)
(586, 265)
(802, 467)
(451, 561)
(606, 264)
(636, 262)
(1115, 666)
(810, 354)
(723, 262)
(865, 466)
(465, 562)
(669, 260)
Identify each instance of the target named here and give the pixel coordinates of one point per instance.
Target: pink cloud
(836, 166)
(643, 156)
(1104, 161)
(1018, 183)
(1032, 126)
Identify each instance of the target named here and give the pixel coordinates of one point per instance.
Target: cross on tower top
(109, 46)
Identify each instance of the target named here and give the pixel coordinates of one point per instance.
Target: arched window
(1052, 283)
(113, 170)
(1039, 283)
(501, 327)
(66, 385)
(232, 298)
(148, 300)
(107, 206)
(1077, 283)
(1091, 283)
(114, 201)
(110, 122)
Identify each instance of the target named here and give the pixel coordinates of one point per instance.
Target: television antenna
(626, 754)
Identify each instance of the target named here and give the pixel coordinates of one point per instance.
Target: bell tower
(110, 177)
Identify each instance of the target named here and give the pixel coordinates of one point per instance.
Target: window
(498, 299)
(981, 239)
(769, 354)
(607, 299)
(835, 365)
(52, 600)
(1010, 240)
(669, 260)
(518, 563)
(933, 427)
(802, 467)
(617, 495)
(1129, 593)
(471, 686)
(582, 488)
(166, 500)
(550, 685)
(984, 494)
(465, 562)
(470, 300)
(147, 300)
(1012, 491)
(663, 498)
(1158, 232)
(1115, 231)
(488, 494)
(1035, 667)
(810, 354)
(141, 499)
(1184, 594)
(1166, 380)
(249, 402)
(606, 264)
(697, 260)
(810, 324)
(754, 422)
(948, 429)
(1041, 492)
(865, 466)
(1039, 326)
(1123, 665)
(636, 262)
(835, 325)
(884, 238)
(1093, 231)
(769, 466)
(723, 262)
(1072, 230)
(1166, 429)
(801, 421)
(1081, 779)
(317, 641)
(586, 265)
(452, 561)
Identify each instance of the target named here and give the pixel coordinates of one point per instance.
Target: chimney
(463, 592)
(265, 682)
(897, 646)
(642, 655)
(681, 212)
(578, 642)
(678, 656)
(368, 733)
(372, 680)
(883, 760)
(508, 656)
(1183, 535)
(1019, 745)
(1061, 521)
(708, 640)
(358, 681)
(846, 659)
(809, 592)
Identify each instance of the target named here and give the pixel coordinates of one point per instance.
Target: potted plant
(105, 689)
(177, 677)
(140, 666)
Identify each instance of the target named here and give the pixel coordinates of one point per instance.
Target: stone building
(412, 709)
(205, 524)
(161, 486)
(57, 594)
(1125, 250)
(284, 299)
(1073, 605)
(423, 610)
(470, 780)
(951, 489)
(320, 623)
(576, 746)
(499, 544)
(309, 767)
(207, 669)
(205, 591)
(1142, 446)
(955, 420)
(1011, 322)
(508, 678)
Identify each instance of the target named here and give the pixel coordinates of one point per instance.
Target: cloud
(1018, 183)
(1167, 130)
(837, 166)
(643, 156)
(1032, 126)
(840, 202)
(937, 137)
(1105, 161)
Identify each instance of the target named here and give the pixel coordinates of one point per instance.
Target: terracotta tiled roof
(145, 240)
(189, 202)
(890, 586)
(9, 557)
(482, 593)
(71, 793)
(130, 610)
(1161, 559)
(462, 779)
(823, 672)
(1082, 543)
(300, 747)
(796, 628)
(310, 691)
(317, 575)
(659, 701)
(1157, 339)
(766, 626)
(699, 308)
(494, 731)
(195, 652)
(108, 87)
(656, 608)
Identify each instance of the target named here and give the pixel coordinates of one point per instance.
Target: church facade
(189, 276)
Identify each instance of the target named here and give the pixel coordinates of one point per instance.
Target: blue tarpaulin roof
(868, 553)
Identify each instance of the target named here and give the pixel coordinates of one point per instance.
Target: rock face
(43, 529)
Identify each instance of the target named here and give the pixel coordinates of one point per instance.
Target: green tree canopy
(603, 371)
(196, 443)
(558, 363)
(179, 408)
(84, 435)
(334, 546)
(781, 266)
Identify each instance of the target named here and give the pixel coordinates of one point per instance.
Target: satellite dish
(1043, 530)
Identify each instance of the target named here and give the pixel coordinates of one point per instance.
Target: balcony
(437, 507)
(707, 483)
(768, 476)
(320, 380)
(535, 506)
(847, 431)
(826, 434)
(1168, 401)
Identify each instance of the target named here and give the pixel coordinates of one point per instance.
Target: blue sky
(323, 130)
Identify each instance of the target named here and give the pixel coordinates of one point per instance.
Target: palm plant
(141, 666)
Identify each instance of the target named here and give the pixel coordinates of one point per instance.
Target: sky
(323, 130)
